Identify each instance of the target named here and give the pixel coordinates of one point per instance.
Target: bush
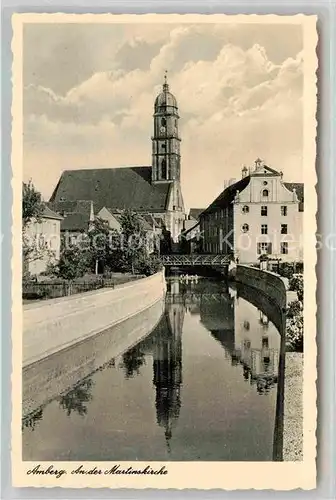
(294, 326)
(149, 265)
(286, 270)
(296, 284)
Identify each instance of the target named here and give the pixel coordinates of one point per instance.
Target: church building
(154, 189)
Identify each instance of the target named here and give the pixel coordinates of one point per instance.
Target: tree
(32, 204)
(166, 241)
(99, 243)
(134, 239)
(73, 263)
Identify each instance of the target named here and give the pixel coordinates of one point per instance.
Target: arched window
(163, 122)
(164, 169)
(245, 228)
(245, 209)
(265, 193)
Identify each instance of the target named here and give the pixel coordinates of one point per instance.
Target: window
(163, 122)
(284, 229)
(163, 169)
(245, 228)
(245, 209)
(264, 229)
(264, 247)
(163, 146)
(264, 342)
(264, 210)
(284, 247)
(265, 183)
(265, 193)
(284, 210)
(246, 325)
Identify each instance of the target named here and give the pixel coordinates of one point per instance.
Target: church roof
(165, 98)
(116, 188)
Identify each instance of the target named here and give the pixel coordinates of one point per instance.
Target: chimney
(226, 183)
(244, 171)
(232, 181)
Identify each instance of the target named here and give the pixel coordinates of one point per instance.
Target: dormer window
(265, 193)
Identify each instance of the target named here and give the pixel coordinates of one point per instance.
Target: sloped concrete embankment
(57, 324)
(60, 372)
(288, 439)
(65, 340)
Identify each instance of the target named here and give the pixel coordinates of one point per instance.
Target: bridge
(195, 260)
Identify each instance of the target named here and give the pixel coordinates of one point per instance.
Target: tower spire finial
(165, 83)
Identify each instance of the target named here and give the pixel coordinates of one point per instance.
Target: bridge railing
(195, 260)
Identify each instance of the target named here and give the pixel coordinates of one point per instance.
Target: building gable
(265, 189)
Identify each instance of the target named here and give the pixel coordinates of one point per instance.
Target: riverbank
(52, 325)
(293, 408)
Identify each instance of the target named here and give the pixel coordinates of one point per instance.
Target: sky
(89, 91)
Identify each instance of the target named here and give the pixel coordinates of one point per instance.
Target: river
(201, 386)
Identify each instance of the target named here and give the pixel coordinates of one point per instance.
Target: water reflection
(132, 361)
(32, 420)
(167, 368)
(76, 399)
(230, 351)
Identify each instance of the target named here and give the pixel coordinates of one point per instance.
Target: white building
(259, 214)
(43, 238)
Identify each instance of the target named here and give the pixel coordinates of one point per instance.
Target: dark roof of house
(76, 214)
(227, 196)
(117, 188)
(75, 222)
(195, 212)
(189, 229)
(299, 188)
(50, 214)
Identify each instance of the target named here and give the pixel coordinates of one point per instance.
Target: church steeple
(166, 140)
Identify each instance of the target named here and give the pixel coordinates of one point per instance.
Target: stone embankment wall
(52, 325)
(270, 284)
(287, 435)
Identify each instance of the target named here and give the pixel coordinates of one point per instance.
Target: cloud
(235, 103)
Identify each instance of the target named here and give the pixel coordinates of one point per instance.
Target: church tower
(166, 140)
